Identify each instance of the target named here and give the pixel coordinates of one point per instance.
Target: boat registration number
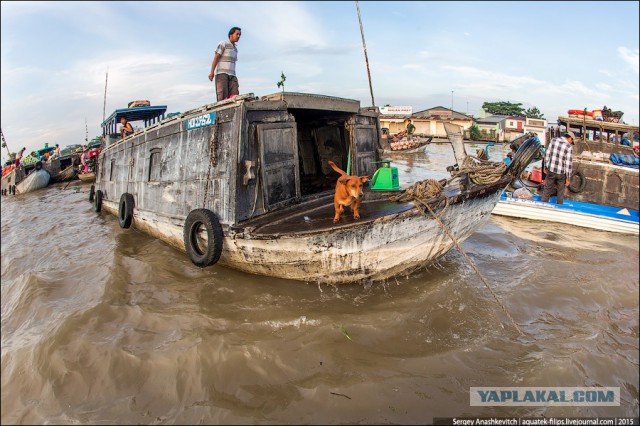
(201, 121)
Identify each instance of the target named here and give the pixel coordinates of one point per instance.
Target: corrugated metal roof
(492, 119)
(431, 113)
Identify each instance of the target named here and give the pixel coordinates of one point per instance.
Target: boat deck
(317, 215)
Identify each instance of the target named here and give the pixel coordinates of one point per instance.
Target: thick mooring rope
(444, 227)
(482, 172)
(424, 193)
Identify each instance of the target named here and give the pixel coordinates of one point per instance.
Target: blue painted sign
(201, 121)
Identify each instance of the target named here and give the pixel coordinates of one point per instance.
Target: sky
(552, 55)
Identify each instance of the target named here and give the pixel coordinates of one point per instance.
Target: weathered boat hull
(607, 184)
(35, 180)
(254, 173)
(395, 244)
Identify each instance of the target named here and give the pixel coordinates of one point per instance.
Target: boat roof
(45, 149)
(597, 125)
(146, 113)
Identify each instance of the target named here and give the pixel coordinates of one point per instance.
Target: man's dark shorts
(226, 85)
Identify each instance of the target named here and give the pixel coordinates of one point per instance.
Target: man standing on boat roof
(225, 60)
(558, 162)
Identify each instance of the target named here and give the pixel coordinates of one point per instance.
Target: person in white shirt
(223, 66)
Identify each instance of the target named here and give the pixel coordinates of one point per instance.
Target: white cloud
(630, 57)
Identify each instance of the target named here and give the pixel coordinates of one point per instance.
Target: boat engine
(528, 152)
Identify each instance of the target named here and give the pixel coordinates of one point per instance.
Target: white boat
(37, 179)
(571, 212)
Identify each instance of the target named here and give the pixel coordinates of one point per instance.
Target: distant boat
(25, 178)
(37, 179)
(87, 177)
(420, 145)
(578, 213)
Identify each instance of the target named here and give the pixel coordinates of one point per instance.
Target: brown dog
(348, 192)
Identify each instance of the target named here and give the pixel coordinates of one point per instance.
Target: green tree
(534, 113)
(503, 108)
(474, 132)
(282, 80)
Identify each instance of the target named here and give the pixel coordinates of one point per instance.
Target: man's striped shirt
(228, 57)
(559, 157)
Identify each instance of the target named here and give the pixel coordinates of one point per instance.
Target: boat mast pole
(86, 135)
(104, 105)
(364, 45)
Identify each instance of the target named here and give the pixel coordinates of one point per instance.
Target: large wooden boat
(597, 179)
(246, 182)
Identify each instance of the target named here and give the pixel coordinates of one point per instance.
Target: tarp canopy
(148, 114)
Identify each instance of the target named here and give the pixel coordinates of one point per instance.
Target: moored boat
(36, 179)
(577, 213)
(246, 183)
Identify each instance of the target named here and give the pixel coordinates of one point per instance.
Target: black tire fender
(125, 210)
(97, 202)
(203, 253)
(38, 165)
(577, 187)
(92, 192)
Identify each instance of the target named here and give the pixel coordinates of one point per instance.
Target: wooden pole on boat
(104, 104)
(366, 58)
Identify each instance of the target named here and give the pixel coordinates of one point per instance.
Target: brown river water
(103, 325)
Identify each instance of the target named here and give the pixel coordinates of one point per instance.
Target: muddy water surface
(105, 325)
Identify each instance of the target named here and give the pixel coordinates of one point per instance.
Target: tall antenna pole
(104, 105)
(86, 136)
(364, 45)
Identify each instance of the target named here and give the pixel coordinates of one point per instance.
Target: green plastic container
(385, 178)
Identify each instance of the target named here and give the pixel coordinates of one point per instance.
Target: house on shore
(492, 127)
(429, 122)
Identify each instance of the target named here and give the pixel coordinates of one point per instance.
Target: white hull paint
(37, 179)
(526, 209)
(391, 245)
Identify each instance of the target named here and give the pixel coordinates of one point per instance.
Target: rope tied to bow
(482, 172)
(425, 194)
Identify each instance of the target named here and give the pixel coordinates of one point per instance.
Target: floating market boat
(246, 182)
(418, 144)
(577, 213)
(597, 178)
(28, 176)
(602, 195)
